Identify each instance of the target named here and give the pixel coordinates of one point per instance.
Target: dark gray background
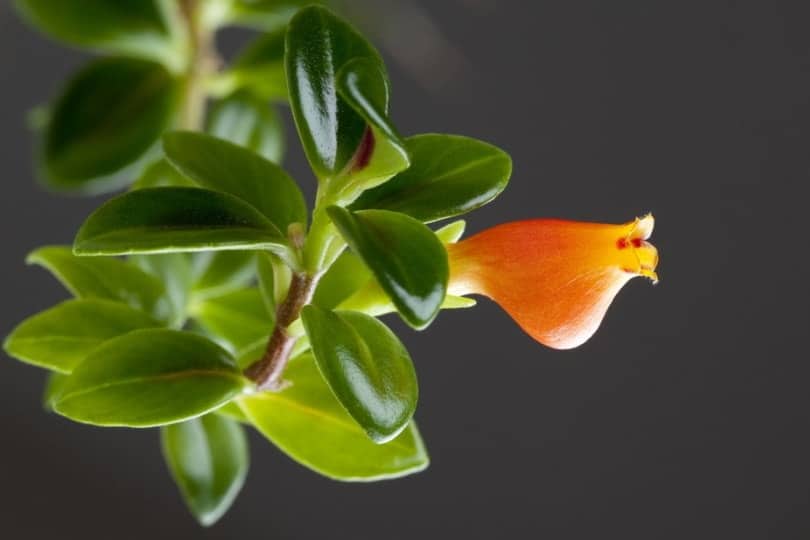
(686, 416)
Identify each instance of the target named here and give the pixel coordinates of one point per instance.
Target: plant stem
(267, 371)
(203, 61)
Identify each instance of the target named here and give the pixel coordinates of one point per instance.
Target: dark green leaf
(163, 220)
(162, 174)
(129, 27)
(346, 275)
(367, 368)
(407, 259)
(450, 175)
(107, 278)
(219, 165)
(308, 424)
(248, 121)
(220, 272)
(110, 114)
(61, 337)
(236, 320)
(318, 45)
(208, 458)
(259, 69)
(149, 378)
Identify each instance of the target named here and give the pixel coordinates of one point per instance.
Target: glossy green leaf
(381, 154)
(367, 368)
(162, 174)
(208, 458)
(164, 220)
(109, 115)
(175, 272)
(105, 278)
(308, 424)
(128, 27)
(217, 164)
(318, 45)
(149, 378)
(407, 259)
(235, 320)
(450, 175)
(259, 69)
(61, 337)
(248, 121)
(346, 275)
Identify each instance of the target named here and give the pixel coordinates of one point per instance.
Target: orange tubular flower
(555, 278)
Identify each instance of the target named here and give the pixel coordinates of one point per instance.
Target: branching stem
(268, 370)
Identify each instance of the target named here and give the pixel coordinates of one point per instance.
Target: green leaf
(128, 27)
(208, 458)
(150, 378)
(109, 115)
(162, 174)
(107, 278)
(248, 121)
(233, 411)
(53, 386)
(346, 275)
(450, 176)
(174, 271)
(165, 220)
(407, 259)
(452, 232)
(308, 424)
(236, 320)
(267, 281)
(220, 272)
(318, 45)
(264, 14)
(219, 165)
(259, 69)
(367, 368)
(61, 337)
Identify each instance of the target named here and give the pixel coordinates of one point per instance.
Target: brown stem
(267, 371)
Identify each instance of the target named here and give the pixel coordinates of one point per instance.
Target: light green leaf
(406, 258)
(346, 275)
(219, 165)
(267, 15)
(452, 232)
(267, 281)
(220, 272)
(165, 220)
(107, 118)
(366, 366)
(150, 378)
(162, 174)
(450, 175)
(61, 337)
(236, 320)
(308, 424)
(208, 458)
(107, 278)
(258, 69)
(248, 121)
(174, 271)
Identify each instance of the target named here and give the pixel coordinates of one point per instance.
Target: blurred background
(686, 416)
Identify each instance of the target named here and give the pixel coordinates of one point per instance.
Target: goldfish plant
(210, 297)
